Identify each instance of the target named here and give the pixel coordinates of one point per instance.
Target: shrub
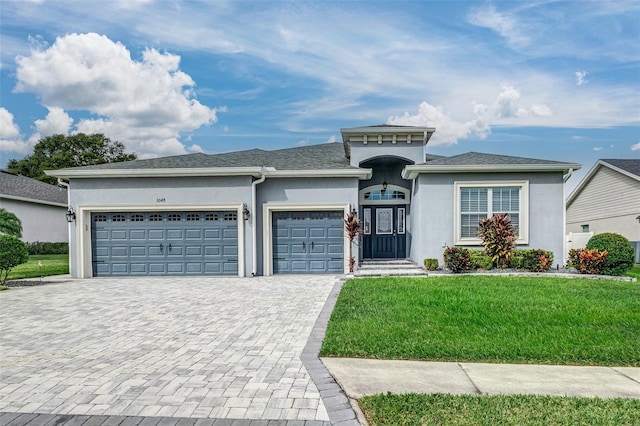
(620, 254)
(13, 252)
(537, 260)
(587, 261)
(480, 260)
(38, 247)
(457, 259)
(498, 238)
(431, 264)
(517, 259)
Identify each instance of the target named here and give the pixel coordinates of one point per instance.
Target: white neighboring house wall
(607, 200)
(40, 221)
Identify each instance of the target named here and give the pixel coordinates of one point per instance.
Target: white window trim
(83, 228)
(407, 195)
(523, 237)
(267, 229)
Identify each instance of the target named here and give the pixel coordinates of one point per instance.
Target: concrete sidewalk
(359, 377)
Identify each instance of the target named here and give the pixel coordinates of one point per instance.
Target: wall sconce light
(71, 215)
(384, 186)
(245, 212)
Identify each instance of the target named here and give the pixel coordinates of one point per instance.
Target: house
(40, 207)
(608, 200)
(262, 212)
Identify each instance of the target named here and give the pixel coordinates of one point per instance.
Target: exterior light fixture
(71, 215)
(245, 212)
(384, 186)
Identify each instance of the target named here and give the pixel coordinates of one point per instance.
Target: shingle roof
(628, 165)
(478, 158)
(312, 157)
(16, 186)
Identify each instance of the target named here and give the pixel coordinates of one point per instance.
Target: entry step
(391, 267)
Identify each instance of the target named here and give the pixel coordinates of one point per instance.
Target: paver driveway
(179, 347)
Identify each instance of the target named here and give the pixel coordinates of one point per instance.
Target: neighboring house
(40, 207)
(261, 212)
(608, 200)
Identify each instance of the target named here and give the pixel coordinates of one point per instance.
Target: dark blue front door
(385, 233)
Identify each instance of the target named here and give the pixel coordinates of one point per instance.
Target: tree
(352, 226)
(60, 151)
(13, 252)
(10, 224)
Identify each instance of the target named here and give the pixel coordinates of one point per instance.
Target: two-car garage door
(165, 243)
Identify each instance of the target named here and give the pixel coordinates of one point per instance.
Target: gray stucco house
(39, 206)
(261, 212)
(608, 200)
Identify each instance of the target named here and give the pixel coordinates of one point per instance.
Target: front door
(384, 232)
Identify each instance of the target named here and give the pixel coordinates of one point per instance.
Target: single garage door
(308, 242)
(165, 243)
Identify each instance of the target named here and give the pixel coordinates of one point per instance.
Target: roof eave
(412, 171)
(209, 171)
(162, 172)
(585, 180)
(361, 174)
(32, 200)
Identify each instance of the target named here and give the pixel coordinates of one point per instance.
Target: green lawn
(52, 264)
(634, 272)
(488, 319)
(520, 410)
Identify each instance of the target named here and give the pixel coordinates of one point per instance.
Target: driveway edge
(335, 401)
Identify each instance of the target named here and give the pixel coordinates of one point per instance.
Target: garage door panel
(299, 233)
(137, 234)
(119, 251)
(119, 234)
(175, 234)
(193, 234)
(164, 243)
(156, 234)
(318, 233)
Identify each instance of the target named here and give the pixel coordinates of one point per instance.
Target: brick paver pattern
(171, 347)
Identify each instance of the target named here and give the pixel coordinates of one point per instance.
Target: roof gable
(23, 188)
(627, 167)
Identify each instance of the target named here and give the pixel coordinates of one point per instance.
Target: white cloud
(635, 147)
(581, 78)
(332, 139)
(195, 148)
(144, 104)
(541, 111)
(10, 139)
(505, 106)
(597, 148)
(505, 24)
(8, 128)
(448, 131)
(56, 122)
(302, 142)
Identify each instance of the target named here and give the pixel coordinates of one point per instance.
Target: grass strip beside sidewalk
(52, 264)
(488, 319)
(520, 410)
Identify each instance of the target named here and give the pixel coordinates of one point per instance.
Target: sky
(557, 80)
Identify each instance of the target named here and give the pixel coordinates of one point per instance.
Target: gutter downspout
(254, 227)
(66, 185)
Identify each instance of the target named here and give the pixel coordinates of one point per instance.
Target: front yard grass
(526, 410)
(488, 319)
(52, 264)
(634, 272)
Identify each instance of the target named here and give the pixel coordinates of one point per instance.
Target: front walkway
(359, 377)
(223, 348)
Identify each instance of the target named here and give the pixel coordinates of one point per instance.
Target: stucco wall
(300, 192)
(179, 193)
(433, 212)
(360, 152)
(40, 222)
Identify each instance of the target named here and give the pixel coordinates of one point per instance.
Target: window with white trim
(479, 200)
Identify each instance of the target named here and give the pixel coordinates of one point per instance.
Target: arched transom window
(389, 194)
